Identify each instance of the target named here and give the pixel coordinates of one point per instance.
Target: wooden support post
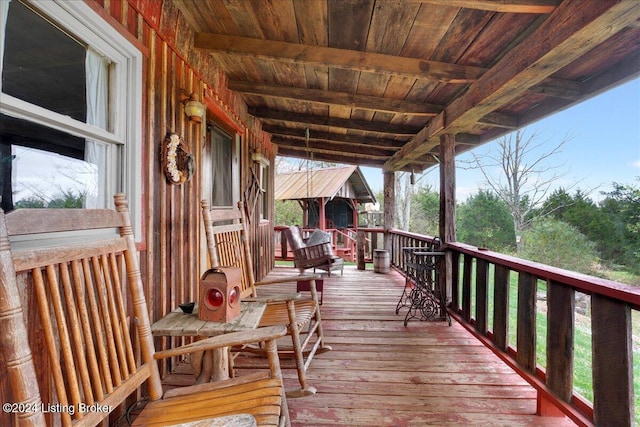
(389, 183)
(322, 214)
(447, 205)
(360, 243)
(355, 216)
(305, 213)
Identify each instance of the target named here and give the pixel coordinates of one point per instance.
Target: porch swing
(317, 251)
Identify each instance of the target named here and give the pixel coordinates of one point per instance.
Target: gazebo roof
(323, 183)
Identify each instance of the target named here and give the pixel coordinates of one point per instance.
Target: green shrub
(561, 245)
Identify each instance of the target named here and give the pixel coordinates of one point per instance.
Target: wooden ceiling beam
(325, 97)
(315, 145)
(558, 88)
(338, 58)
(499, 120)
(568, 33)
(330, 156)
(262, 48)
(504, 6)
(310, 119)
(336, 138)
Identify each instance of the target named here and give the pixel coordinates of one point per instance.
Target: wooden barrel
(381, 261)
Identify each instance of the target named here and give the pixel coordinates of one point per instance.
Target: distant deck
(381, 373)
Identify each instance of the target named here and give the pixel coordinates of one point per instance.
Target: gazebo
(329, 197)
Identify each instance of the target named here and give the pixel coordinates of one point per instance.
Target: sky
(603, 147)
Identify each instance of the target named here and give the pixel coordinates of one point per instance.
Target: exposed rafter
(360, 125)
(352, 140)
(505, 6)
(339, 58)
(375, 103)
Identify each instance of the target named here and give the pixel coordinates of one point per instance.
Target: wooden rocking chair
(228, 245)
(83, 346)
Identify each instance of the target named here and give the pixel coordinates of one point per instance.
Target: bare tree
(526, 174)
(404, 191)
(407, 185)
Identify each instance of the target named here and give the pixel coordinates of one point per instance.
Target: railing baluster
(612, 362)
(560, 347)
(455, 280)
(501, 307)
(560, 332)
(482, 296)
(526, 329)
(466, 287)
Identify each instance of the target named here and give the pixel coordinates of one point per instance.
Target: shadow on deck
(381, 373)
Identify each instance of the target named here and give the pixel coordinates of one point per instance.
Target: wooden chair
(308, 254)
(228, 245)
(82, 356)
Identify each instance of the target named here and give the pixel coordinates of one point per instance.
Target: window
(70, 109)
(221, 172)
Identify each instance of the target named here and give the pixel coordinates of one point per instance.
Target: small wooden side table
(214, 365)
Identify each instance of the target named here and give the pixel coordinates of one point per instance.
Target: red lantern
(220, 294)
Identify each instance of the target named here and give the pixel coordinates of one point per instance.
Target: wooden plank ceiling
(376, 82)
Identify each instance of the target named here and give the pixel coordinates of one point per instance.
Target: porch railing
(610, 305)
(539, 308)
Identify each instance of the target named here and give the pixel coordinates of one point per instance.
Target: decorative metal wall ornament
(178, 163)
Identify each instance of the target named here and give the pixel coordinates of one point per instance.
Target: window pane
(42, 167)
(222, 173)
(43, 65)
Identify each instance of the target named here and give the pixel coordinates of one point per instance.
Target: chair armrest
(275, 298)
(226, 340)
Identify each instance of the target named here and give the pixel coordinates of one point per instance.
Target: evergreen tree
(426, 216)
(622, 206)
(485, 220)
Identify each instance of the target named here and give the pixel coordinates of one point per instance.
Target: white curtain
(4, 11)
(221, 151)
(97, 111)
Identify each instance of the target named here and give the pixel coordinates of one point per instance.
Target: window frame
(236, 143)
(125, 104)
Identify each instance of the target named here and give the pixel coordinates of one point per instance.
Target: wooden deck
(381, 373)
